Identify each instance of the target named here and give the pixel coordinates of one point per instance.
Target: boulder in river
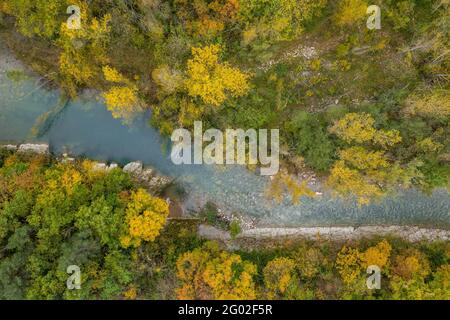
(134, 168)
(146, 175)
(158, 183)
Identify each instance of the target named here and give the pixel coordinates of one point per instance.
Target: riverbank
(7, 61)
(156, 183)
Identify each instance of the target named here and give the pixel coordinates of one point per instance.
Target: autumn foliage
(209, 273)
(211, 80)
(146, 216)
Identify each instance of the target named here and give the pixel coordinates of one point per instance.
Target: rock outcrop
(134, 168)
(147, 176)
(34, 148)
(10, 147)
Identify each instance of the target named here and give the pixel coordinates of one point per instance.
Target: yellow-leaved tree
(377, 255)
(270, 21)
(211, 80)
(210, 273)
(359, 128)
(36, 17)
(83, 50)
(350, 12)
(146, 216)
(348, 264)
(280, 278)
(365, 170)
(431, 104)
(121, 99)
(283, 183)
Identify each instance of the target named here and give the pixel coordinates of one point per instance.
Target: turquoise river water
(86, 128)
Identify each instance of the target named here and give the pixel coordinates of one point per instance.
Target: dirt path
(409, 233)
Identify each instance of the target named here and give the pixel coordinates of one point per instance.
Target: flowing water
(85, 128)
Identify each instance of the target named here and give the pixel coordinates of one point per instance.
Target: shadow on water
(45, 121)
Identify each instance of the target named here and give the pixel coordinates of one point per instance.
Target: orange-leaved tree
(210, 273)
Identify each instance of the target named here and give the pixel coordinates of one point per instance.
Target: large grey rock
(134, 168)
(146, 175)
(99, 166)
(112, 166)
(158, 182)
(34, 148)
(11, 147)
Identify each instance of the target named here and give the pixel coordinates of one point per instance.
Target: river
(86, 128)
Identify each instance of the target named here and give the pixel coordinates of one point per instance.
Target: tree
(350, 12)
(410, 265)
(121, 99)
(71, 214)
(83, 51)
(211, 80)
(315, 144)
(440, 285)
(359, 128)
(169, 80)
(308, 261)
(348, 264)
(280, 279)
(431, 104)
(283, 183)
(349, 182)
(146, 216)
(207, 18)
(209, 273)
(377, 255)
(273, 20)
(364, 171)
(412, 278)
(37, 17)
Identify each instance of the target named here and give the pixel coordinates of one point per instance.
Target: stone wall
(409, 233)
